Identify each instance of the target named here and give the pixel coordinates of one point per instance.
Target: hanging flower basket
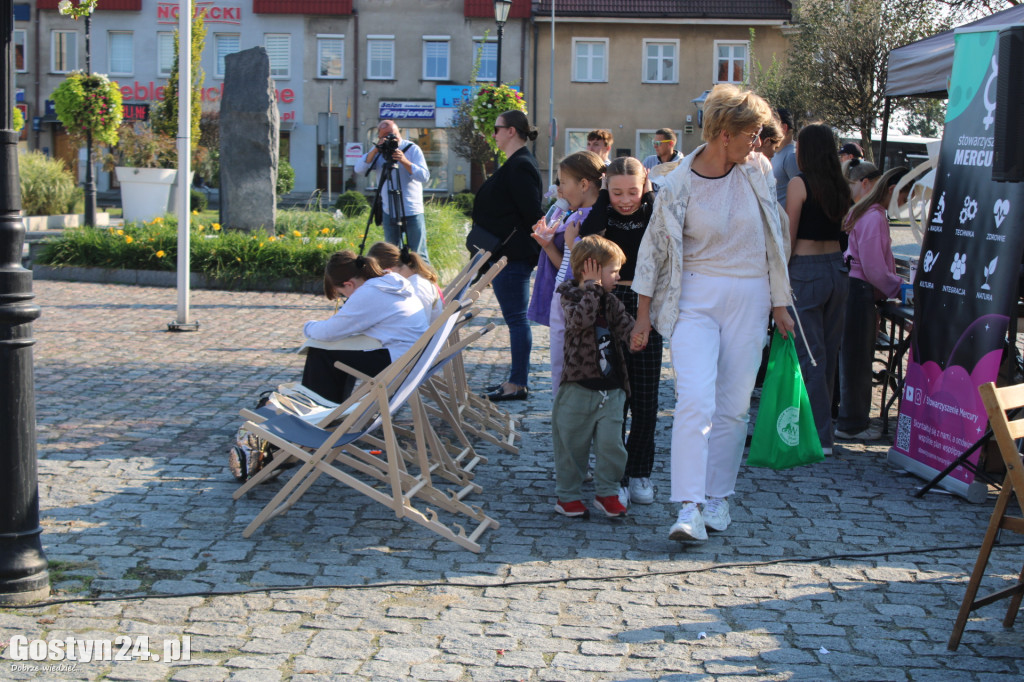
(89, 102)
(490, 103)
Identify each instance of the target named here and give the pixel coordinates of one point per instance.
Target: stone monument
(249, 133)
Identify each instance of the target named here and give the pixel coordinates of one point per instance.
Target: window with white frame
(63, 51)
(436, 58)
(121, 53)
(576, 140)
(660, 61)
(487, 53)
(731, 61)
(590, 60)
(380, 57)
(330, 55)
(226, 43)
(164, 53)
(20, 36)
(279, 50)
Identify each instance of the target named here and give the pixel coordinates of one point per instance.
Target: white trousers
(716, 351)
(556, 335)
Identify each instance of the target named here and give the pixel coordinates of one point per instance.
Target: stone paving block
(195, 673)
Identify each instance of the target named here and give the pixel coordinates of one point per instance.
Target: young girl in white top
(380, 305)
(579, 177)
(410, 265)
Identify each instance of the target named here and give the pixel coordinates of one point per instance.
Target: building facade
(634, 66)
(631, 66)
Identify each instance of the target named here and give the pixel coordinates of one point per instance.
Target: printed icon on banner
(969, 210)
(918, 396)
(989, 271)
(990, 104)
(1001, 209)
(959, 266)
(940, 208)
(908, 394)
(930, 259)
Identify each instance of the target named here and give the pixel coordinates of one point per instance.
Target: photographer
(412, 174)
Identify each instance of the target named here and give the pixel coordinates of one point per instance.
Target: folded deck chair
(347, 449)
(450, 392)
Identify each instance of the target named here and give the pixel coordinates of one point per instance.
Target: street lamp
(501, 8)
(85, 8)
(23, 575)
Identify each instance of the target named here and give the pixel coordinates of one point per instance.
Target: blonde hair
(877, 194)
(733, 110)
(390, 256)
(600, 249)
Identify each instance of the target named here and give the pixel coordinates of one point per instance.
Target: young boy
(589, 404)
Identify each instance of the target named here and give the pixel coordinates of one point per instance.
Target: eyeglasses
(497, 128)
(657, 142)
(754, 135)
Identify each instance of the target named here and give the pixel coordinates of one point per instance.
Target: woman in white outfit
(711, 266)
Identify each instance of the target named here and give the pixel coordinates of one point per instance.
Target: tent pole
(885, 133)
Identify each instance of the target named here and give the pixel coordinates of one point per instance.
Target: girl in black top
(816, 202)
(507, 205)
(621, 215)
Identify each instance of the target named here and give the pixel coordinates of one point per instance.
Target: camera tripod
(396, 205)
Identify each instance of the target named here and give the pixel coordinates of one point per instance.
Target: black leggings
(320, 374)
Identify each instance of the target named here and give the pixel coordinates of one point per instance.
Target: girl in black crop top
(621, 214)
(816, 202)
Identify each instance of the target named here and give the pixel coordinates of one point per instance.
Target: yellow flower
(160, 254)
(128, 239)
(216, 227)
(202, 227)
(319, 246)
(196, 212)
(157, 219)
(238, 259)
(272, 239)
(120, 232)
(296, 233)
(325, 230)
(261, 245)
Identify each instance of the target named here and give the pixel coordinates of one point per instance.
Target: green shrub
(352, 203)
(285, 178)
(197, 200)
(464, 202)
(47, 187)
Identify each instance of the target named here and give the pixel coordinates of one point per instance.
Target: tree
(839, 56)
(925, 117)
(165, 118)
(467, 141)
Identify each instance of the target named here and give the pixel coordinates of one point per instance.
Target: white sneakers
(692, 525)
(716, 514)
(689, 525)
(641, 491)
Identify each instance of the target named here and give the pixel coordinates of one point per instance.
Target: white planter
(40, 223)
(145, 192)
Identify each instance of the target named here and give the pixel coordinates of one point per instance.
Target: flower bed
(297, 250)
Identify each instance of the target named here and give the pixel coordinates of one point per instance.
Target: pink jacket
(871, 251)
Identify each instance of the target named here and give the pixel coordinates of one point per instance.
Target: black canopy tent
(922, 68)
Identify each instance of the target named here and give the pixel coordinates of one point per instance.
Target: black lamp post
(23, 575)
(90, 181)
(501, 8)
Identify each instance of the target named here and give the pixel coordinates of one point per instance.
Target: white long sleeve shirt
(384, 308)
(411, 183)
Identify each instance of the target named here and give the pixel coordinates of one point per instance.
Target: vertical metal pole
(880, 162)
(551, 103)
(501, 34)
(90, 180)
(330, 110)
(183, 323)
(23, 575)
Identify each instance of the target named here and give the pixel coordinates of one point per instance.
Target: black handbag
(480, 239)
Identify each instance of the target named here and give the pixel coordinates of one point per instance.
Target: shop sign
(414, 110)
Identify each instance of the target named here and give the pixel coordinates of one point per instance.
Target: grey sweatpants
(581, 417)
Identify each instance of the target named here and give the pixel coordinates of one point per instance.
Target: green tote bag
(784, 434)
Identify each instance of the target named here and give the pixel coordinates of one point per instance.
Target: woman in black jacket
(507, 205)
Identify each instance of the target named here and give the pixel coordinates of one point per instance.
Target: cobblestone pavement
(133, 428)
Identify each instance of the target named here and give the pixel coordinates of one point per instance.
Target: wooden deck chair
(349, 448)
(997, 402)
(477, 416)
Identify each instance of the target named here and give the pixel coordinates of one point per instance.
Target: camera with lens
(388, 145)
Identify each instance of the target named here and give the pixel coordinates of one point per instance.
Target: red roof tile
(325, 7)
(485, 8)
